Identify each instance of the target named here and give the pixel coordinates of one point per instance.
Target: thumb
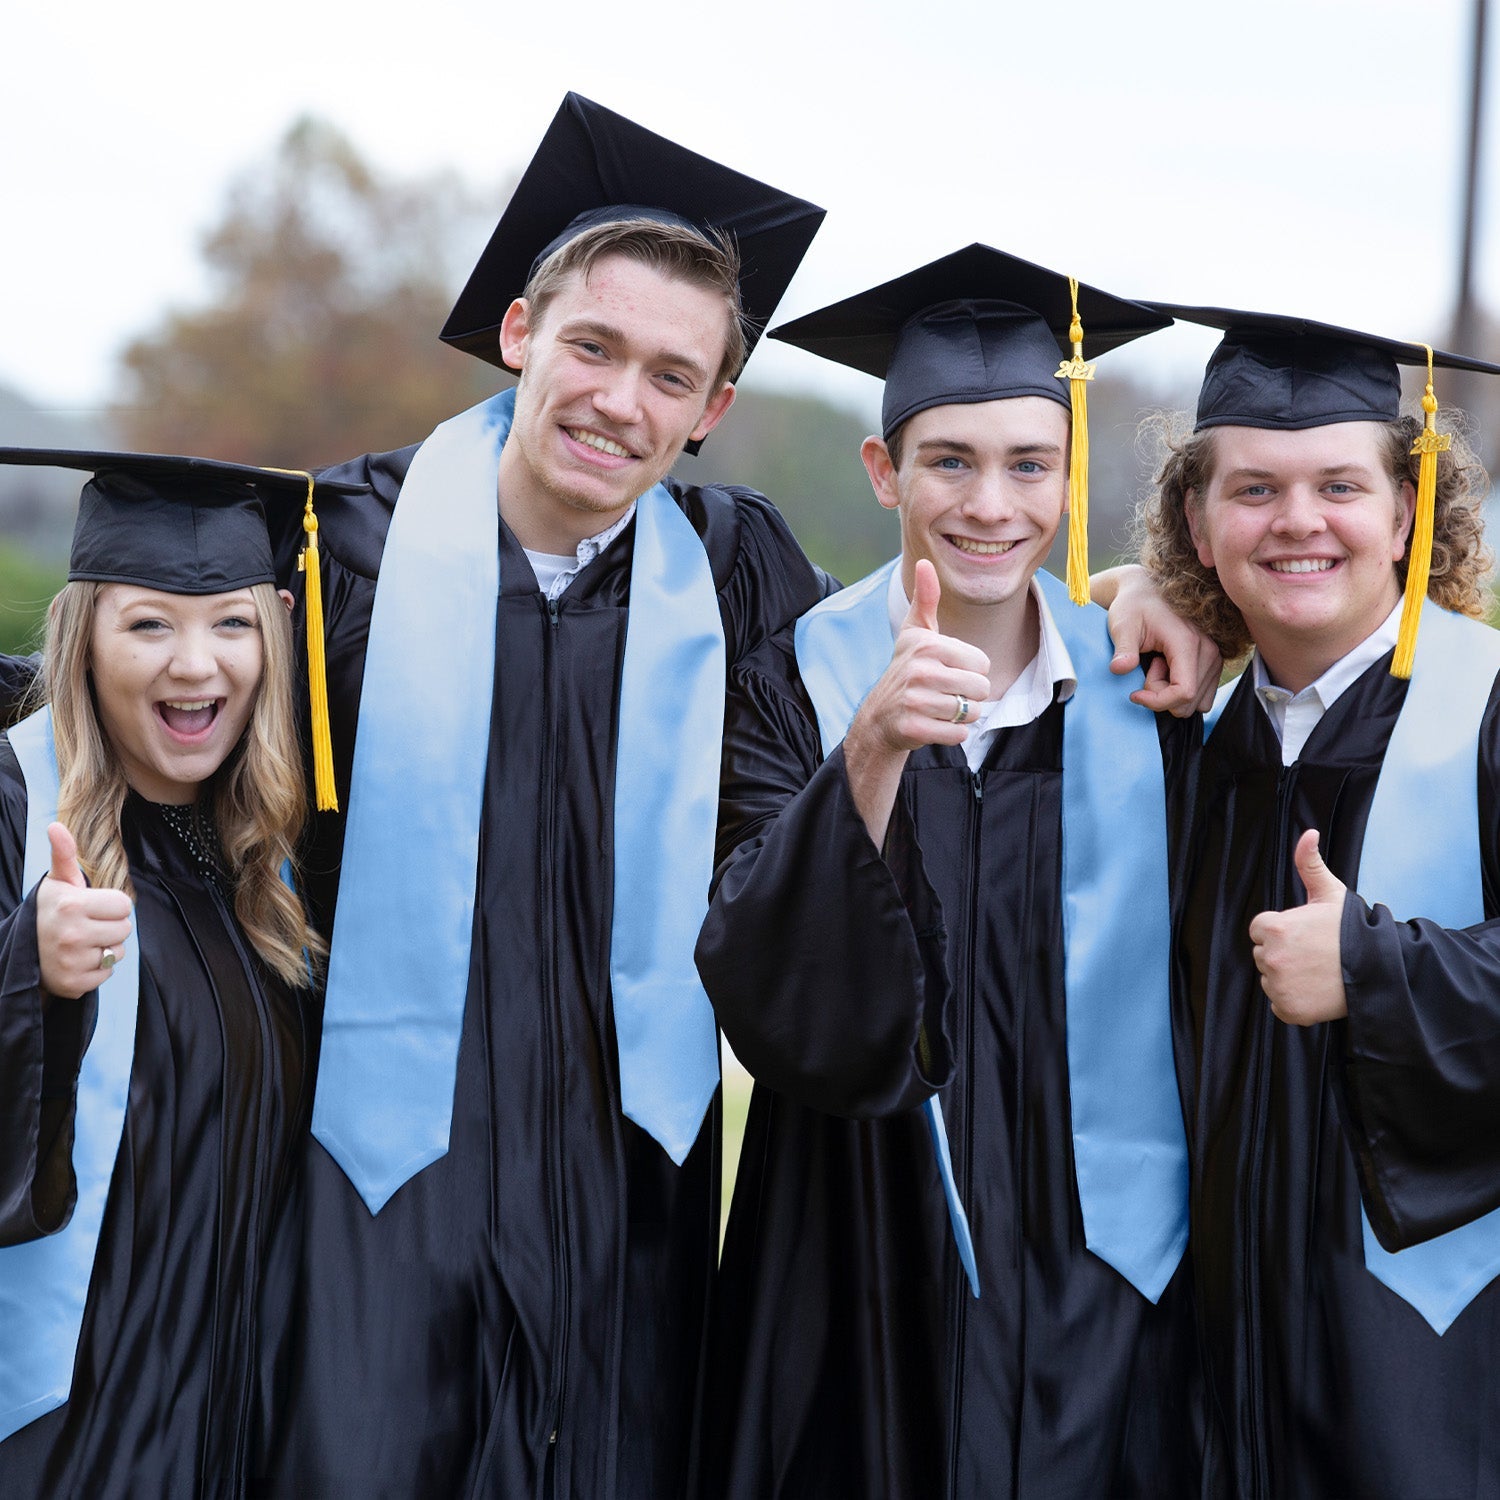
(925, 594)
(1127, 638)
(1322, 884)
(64, 856)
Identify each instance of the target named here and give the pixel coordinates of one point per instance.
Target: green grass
(26, 588)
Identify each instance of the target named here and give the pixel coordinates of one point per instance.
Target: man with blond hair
(512, 1200)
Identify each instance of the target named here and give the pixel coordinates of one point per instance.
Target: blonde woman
(156, 973)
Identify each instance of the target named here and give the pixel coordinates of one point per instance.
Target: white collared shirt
(556, 570)
(1048, 675)
(1294, 716)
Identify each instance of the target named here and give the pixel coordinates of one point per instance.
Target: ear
(877, 461)
(515, 329)
(1196, 529)
(1407, 500)
(718, 404)
(286, 599)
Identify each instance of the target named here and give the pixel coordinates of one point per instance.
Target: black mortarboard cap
(977, 325)
(594, 166)
(182, 525)
(1291, 373)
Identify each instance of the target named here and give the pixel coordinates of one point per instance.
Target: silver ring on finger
(961, 708)
(108, 958)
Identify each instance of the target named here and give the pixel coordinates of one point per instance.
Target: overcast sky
(1291, 155)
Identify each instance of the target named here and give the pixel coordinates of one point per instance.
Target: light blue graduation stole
(1129, 1144)
(1421, 858)
(398, 971)
(44, 1283)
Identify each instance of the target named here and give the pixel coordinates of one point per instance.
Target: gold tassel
(1075, 371)
(1430, 442)
(325, 793)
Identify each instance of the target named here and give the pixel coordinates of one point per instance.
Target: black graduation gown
(17, 677)
(1323, 1381)
(173, 1338)
(526, 1315)
(850, 1357)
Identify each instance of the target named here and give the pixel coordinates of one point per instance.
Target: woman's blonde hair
(1184, 462)
(258, 796)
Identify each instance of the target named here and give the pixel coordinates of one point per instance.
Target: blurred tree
(332, 282)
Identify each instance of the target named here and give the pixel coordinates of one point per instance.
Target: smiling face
(1304, 530)
(617, 375)
(175, 678)
(981, 490)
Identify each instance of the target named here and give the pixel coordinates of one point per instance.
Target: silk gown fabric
(175, 1337)
(1323, 1381)
(529, 1311)
(850, 1358)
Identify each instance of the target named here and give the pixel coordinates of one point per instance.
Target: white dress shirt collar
(1294, 716)
(556, 570)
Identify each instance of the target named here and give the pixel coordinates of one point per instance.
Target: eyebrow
(968, 450)
(607, 333)
(1329, 471)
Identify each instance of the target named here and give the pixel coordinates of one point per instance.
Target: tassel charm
(1430, 442)
(1076, 372)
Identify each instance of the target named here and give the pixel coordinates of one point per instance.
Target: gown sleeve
(770, 581)
(42, 1041)
(824, 956)
(1421, 1069)
(18, 676)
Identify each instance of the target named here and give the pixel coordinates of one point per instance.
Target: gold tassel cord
(1430, 442)
(325, 792)
(1077, 372)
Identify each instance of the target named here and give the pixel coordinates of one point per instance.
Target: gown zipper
(964, 1166)
(561, 1308)
(1286, 782)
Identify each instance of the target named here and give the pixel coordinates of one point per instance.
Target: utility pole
(1466, 333)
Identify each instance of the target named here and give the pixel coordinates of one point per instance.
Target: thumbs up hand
(931, 678)
(927, 696)
(80, 932)
(1297, 951)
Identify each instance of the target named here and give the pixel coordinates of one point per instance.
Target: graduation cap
(1290, 373)
(596, 167)
(196, 526)
(1287, 373)
(981, 325)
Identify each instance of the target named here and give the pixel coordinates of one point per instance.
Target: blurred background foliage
(318, 340)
